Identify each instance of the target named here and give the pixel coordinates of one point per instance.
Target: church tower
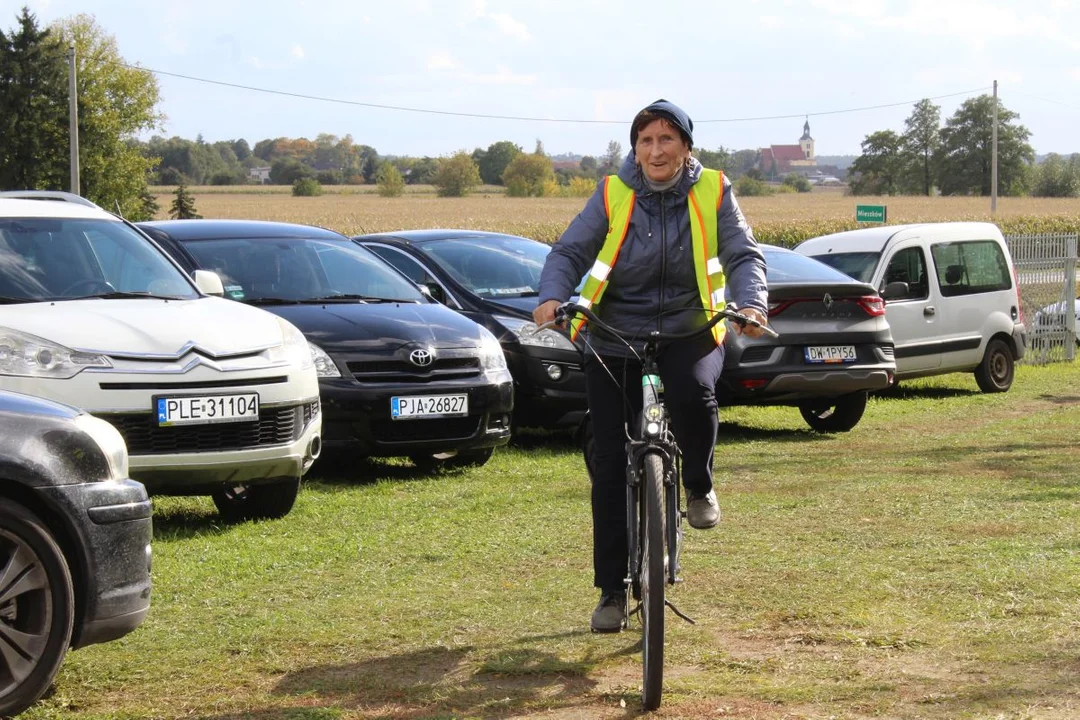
(806, 142)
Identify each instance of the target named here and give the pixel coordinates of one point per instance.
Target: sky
(748, 72)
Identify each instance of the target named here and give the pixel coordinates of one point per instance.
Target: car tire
(832, 415)
(995, 372)
(37, 610)
(463, 459)
(265, 501)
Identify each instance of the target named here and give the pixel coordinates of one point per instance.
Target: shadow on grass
(445, 682)
(923, 392)
(732, 432)
(183, 523)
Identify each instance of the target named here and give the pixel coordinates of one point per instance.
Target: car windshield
(492, 267)
(301, 270)
(783, 266)
(73, 258)
(859, 265)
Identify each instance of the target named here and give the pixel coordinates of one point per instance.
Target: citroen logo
(828, 301)
(421, 357)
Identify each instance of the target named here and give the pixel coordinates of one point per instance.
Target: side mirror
(434, 292)
(209, 283)
(895, 290)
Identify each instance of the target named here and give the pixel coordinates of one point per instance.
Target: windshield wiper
(352, 297)
(271, 301)
(7, 300)
(118, 295)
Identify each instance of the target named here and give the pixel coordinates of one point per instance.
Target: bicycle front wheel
(653, 580)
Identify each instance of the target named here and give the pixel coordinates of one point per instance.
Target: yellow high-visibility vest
(704, 202)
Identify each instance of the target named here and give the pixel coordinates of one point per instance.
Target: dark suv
(74, 542)
(399, 374)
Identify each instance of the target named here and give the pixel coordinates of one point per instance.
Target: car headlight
(324, 366)
(294, 347)
(27, 355)
(110, 441)
(491, 352)
(525, 332)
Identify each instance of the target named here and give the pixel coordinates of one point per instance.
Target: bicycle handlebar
(568, 308)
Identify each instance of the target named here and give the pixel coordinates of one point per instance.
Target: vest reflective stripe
(619, 206)
(707, 192)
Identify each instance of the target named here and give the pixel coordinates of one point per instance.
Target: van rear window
(970, 267)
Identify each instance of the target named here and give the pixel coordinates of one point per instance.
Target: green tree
(183, 205)
(966, 150)
(611, 160)
(719, 159)
(800, 183)
(527, 174)
(919, 145)
(116, 103)
(456, 175)
(389, 181)
(287, 170)
(494, 161)
(148, 207)
(877, 171)
(588, 167)
(1056, 177)
(34, 146)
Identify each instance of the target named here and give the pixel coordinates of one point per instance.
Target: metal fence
(1046, 267)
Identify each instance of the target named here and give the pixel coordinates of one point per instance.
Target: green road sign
(870, 213)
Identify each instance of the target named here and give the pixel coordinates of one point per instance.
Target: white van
(212, 397)
(950, 290)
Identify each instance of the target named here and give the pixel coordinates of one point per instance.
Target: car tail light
(754, 383)
(775, 308)
(1019, 304)
(872, 304)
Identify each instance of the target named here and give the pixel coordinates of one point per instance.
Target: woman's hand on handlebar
(545, 313)
(751, 330)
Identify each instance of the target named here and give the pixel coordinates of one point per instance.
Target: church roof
(782, 153)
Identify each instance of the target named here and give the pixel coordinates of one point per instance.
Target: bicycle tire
(653, 580)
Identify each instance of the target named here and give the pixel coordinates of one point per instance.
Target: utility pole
(993, 156)
(73, 119)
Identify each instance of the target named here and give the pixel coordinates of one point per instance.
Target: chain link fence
(1046, 267)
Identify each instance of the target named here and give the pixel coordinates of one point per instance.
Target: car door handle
(929, 310)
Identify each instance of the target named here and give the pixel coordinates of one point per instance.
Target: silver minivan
(950, 290)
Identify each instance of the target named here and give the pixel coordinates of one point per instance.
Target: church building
(778, 160)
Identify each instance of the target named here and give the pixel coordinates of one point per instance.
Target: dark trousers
(689, 370)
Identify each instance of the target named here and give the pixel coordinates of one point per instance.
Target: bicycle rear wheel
(653, 580)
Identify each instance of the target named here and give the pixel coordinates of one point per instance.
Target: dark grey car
(74, 542)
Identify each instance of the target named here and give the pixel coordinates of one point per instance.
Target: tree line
(956, 158)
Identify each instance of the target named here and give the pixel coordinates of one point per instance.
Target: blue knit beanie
(670, 112)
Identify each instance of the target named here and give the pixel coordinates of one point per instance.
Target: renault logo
(828, 301)
(421, 357)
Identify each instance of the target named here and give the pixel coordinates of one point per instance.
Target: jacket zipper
(663, 263)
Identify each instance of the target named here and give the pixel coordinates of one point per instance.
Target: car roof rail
(55, 195)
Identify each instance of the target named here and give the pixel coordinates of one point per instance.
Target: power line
(484, 116)
(1056, 102)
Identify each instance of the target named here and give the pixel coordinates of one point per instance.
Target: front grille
(167, 386)
(426, 429)
(399, 371)
(275, 426)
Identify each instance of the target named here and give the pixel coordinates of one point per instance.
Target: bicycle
(653, 497)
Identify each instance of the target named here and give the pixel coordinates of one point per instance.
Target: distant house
(260, 175)
(779, 160)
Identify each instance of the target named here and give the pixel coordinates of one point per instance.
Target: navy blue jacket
(654, 273)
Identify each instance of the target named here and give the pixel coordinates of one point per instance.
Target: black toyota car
(399, 373)
(493, 278)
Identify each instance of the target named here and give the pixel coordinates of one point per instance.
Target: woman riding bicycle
(660, 242)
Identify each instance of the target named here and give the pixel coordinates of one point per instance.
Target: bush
(581, 187)
(306, 187)
(798, 182)
(747, 186)
(224, 178)
(456, 175)
(330, 177)
(528, 174)
(390, 181)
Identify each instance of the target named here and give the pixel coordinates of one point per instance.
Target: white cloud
(1075, 72)
(297, 52)
(511, 27)
(853, 8)
(771, 22)
(442, 61)
(502, 76)
(174, 43)
(255, 62)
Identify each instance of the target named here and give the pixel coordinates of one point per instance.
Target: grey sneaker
(609, 615)
(702, 511)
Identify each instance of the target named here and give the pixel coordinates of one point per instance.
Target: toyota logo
(421, 357)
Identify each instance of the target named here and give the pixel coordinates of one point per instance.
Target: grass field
(775, 218)
(924, 565)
